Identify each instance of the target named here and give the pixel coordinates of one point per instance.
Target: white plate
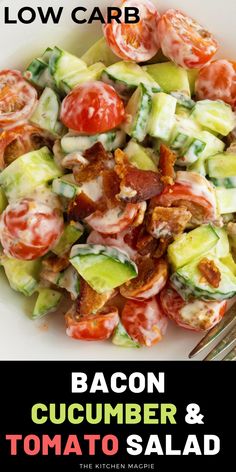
(20, 338)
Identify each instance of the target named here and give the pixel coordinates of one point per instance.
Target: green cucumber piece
(162, 117)
(62, 64)
(99, 52)
(47, 301)
(28, 172)
(183, 100)
(138, 112)
(103, 268)
(65, 186)
(190, 245)
(214, 115)
(140, 157)
(213, 146)
(226, 200)
(47, 113)
(93, 72)
(229, 182)
(170, 77)
(192, 77)
(38, 73)
(22, 276)
(69, 280)
(228, 261)
(222, 247)
(189, 281)
(222, 165)
(183, 133)
(126, 76)
(72, 232)
(3, 201)
(110, 141)
(121, 338)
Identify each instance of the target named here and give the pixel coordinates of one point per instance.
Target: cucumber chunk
(189, 281)
(65, 186)
(170, 77)
(229, 262)
(47, 113)
(100, 52)
(28, 172)
(110, 141)
(214, 115)
(47, 301)
(69, 280)
(126, 76)
(62, 64)
(229, 182)
(121, 338)
(22, 276)
(226, 200)
(222, 165)
(3, 201)
(38, 72)
(141, 157)
(72, 232)
(93, 72)
(222, 247)
(162, 118)
(138, 112)
(190, 245)
(183, 133)
(192, 77)
(213, 146)
(193, 152)
(103, 268)
(183, 100)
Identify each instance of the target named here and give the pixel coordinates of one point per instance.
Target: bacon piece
(90, 301)
(210, 272)
(111, 187)
(165, 222)
(166, 165)
(152, 277)
(98, 160)
(55, 263)
(81, 207)
(136, 185)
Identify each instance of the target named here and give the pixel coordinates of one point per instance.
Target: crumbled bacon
(90, 301)
(141, 241)
(55, 263)
(111, 187)
(167, 221)
(166, 165)
(98, 160)
(210, 272)
(136, 185)
(81, 207)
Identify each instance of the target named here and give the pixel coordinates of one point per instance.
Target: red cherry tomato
(144, 321)
(184, 40)
(217, 81)
(136, 42)
(193, 192)
(116, 219)
(92, 108)
(29, 229)
(98, 327)
(197, 315)
(17, 98)
(117, 240)
(19, 140)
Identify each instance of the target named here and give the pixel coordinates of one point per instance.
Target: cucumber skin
(122, 339)
(229, 182)
(138, 128)
(188, 291)
(42, 306)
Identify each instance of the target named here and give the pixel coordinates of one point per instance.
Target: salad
(118, 180)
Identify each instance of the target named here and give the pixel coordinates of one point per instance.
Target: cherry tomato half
(29, 229)
(197, 315)
(217, 81)
(19, 140)
(136, 42)
(116, 219)
(91, 108)
(17, 98)
(98, 327)
(144, 321)
(184, 40)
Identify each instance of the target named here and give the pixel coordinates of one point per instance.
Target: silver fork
(227, 325)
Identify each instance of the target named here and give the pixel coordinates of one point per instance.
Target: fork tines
(227, 321)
